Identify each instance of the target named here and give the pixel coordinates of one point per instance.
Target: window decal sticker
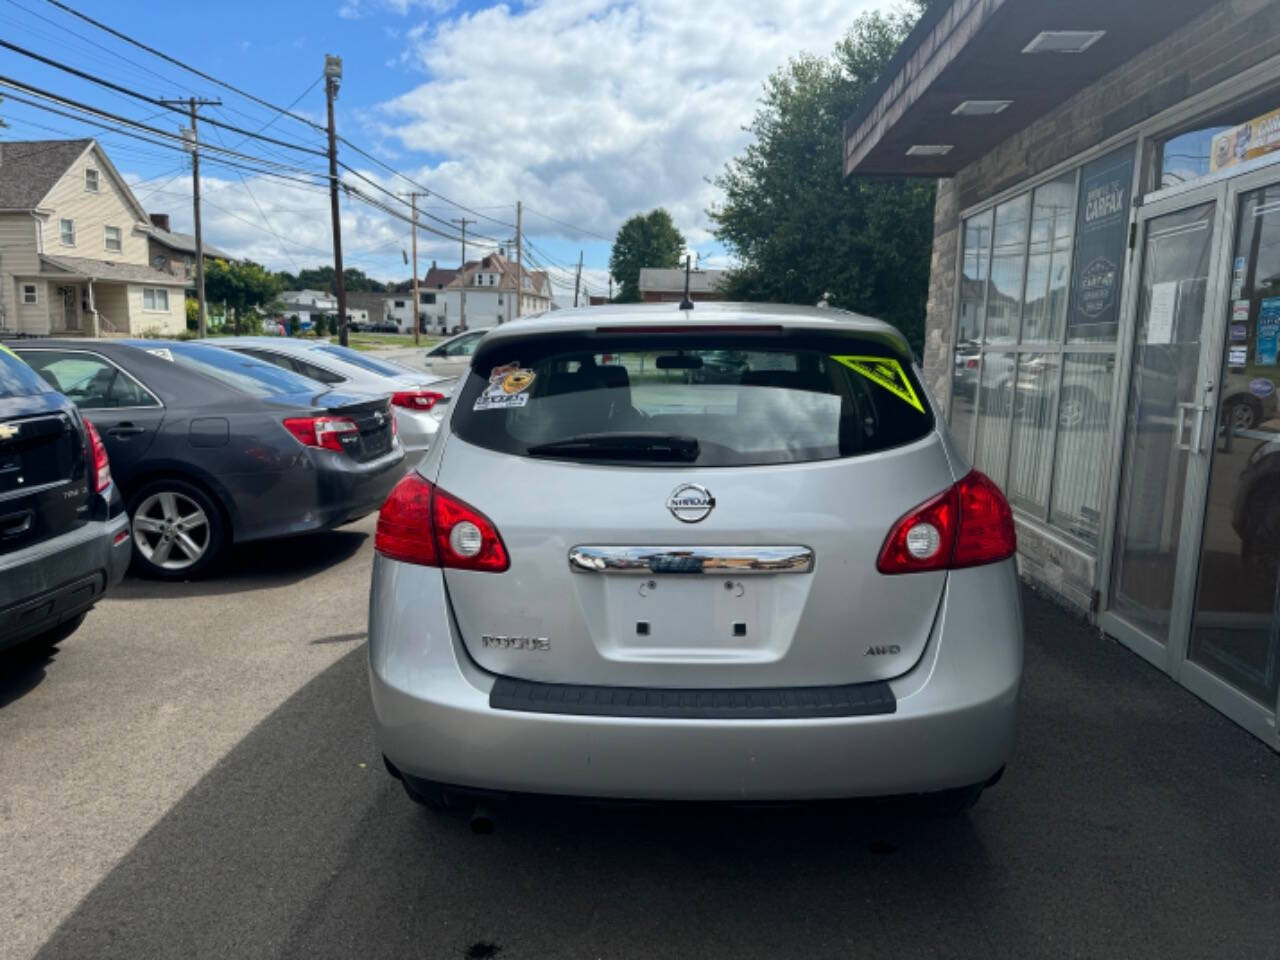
(888, 373)
(507, 388)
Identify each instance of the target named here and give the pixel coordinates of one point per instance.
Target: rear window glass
(244, 373)
(17, 379)
(678, 400)
(364, 363)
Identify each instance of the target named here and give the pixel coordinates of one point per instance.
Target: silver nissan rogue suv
(728, 553)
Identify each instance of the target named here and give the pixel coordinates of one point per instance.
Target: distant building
(489, 287)
(308, 305)
(666, 285)
(431, 301)
(74, 247)
(175, 253)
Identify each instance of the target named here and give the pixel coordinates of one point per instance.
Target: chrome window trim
(717, 560)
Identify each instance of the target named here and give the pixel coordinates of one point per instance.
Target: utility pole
(577, 279)
(611, 288)
(462, 287)
(332, 78)
(417, 322)
(193, 144)
(519, 260)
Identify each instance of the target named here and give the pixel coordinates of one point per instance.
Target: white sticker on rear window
(508, 386)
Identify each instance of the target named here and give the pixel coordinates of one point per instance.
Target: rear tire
(177, 529)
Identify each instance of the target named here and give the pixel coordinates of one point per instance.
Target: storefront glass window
(1031, 456)
(1034, 361)
(1084, 412)
(995, 403)
(1044, 304)
(1229, 137)
(1008, 267)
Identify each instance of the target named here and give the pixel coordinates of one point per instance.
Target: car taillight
(972, 364)
(101, 465)
(967, 525)
(324, 432)
(420, 523)
(416, 399)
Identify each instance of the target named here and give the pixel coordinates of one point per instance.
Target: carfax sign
(1102, 221)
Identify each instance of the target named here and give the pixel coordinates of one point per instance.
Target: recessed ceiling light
(1064, 41)
(929, 149)
(980, 108)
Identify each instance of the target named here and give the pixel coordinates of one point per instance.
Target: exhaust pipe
(483, 820)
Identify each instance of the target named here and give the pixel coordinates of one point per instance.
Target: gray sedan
(418, 401)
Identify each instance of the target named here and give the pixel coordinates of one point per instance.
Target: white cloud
(592, 110)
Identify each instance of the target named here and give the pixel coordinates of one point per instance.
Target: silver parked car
(612, 577)
(418, 401)
(452, 357)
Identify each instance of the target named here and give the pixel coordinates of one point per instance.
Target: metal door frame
(1171, 655)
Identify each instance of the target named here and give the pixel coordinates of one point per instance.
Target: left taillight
(326, 433)
(967, 525)
(101, 465)
(422, 400)
(420, 523)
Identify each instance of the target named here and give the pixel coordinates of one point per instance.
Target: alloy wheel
(171, 530)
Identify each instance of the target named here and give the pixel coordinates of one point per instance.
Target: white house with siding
(74, 256)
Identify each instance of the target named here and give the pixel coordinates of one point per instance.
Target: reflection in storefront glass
(995, 400)
(1044, 307)
(1084, 410)
(1008, 264)
(1235, 633)
(1033, 427)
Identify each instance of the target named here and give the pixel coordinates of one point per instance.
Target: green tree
(242, 284)
(798, 227)
(193, 313)
(646, 240)
(322, 278)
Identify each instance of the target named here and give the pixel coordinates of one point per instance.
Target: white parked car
(452, 357)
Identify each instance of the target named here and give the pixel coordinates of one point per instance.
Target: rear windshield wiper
(621, 446)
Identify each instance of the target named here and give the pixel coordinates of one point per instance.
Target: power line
(569, 225)
(178, 63)
(155, 101)
(168, 139)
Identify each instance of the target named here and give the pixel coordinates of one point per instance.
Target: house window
(30, 293)
(155, 299)
(67, 229)
(91, 179)
(111, 238)
(399, 303)
(1035, 340)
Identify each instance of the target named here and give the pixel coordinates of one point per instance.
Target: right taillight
(101, 465)
(422, 524)
(967, 525)
(324, 432)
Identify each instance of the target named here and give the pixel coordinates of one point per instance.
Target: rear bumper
(953, 725)
(417, 430)
(49, 583)
(322, 490)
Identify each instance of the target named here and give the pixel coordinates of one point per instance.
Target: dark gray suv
(64, 535)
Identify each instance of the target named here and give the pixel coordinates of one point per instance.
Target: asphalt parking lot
(193, 775)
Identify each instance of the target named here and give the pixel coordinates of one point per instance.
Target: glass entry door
(1192, 571)
(1234, 647)
(1167, 425)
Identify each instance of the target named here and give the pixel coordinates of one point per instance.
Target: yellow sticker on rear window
(888, 373)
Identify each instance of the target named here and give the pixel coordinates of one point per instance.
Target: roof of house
(30, 168)
(495, 261)
(186, 243)
(671, 280)
(438, 277)
(300, 296)
(113, 270)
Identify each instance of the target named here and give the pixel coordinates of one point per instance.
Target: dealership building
(1104, 304)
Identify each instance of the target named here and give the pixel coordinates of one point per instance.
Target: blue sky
(587, 110)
